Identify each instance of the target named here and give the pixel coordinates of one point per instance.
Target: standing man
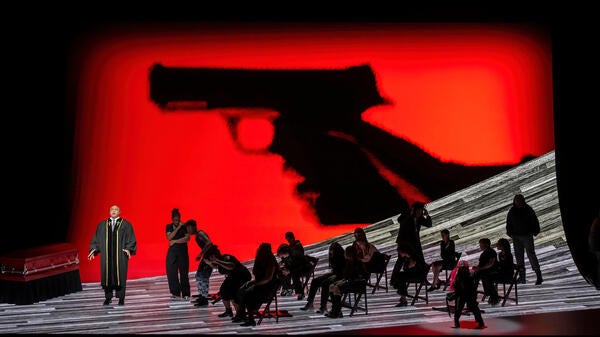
(521, 226)
(204, 269)
(115, 241)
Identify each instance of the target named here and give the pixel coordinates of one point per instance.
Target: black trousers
(178, 268)
(323, 283)
(230, 286)
(487, 281)
(472, 306)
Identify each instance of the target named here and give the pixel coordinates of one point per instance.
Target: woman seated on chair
(257, 291)
(336, 263)
(448, 261)
(506, 263)
(355, 273)
(408, 268)
(367, 252)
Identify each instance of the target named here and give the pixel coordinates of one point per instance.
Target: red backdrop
(466, 93)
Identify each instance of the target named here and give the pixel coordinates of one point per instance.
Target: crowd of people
(243, 291)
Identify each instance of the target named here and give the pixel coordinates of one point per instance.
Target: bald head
(115, 211)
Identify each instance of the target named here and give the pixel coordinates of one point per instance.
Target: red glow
(472, 94)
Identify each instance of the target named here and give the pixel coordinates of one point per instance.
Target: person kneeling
(236, 274)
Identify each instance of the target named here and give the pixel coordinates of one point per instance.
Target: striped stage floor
(564, 304)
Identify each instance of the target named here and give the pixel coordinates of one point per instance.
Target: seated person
(367, 252)
(355, 272)
(285, 264)
(465, 292)
(336, 264)
(299, 265)
(448, 261)
(236, 274)
(506, 263)
(257, 291)
(408, 267)
(487, 270)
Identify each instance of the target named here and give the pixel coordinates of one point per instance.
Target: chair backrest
(313, 260)
(313, 263)
(386, 258)
(427, 269)
(379, 264)
(519, 266)
(457, 256)
(310, 272)
(272, 294)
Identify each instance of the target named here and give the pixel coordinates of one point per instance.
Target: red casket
(38, 262)
(40, 273)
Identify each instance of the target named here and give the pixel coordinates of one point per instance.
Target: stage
(565, 304)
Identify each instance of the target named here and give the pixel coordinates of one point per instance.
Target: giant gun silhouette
(320, 134)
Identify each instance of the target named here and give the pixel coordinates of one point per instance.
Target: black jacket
(522, 221)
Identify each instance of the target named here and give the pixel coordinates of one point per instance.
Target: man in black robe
(114, 240)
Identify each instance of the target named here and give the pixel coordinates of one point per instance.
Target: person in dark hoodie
(522, 225)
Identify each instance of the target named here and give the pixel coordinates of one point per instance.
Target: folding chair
(379, 275)
(310, 274)
(518, 269)
(457, 256)
(419, 283)
(267, 312)
(511, 283)
(357, 290)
